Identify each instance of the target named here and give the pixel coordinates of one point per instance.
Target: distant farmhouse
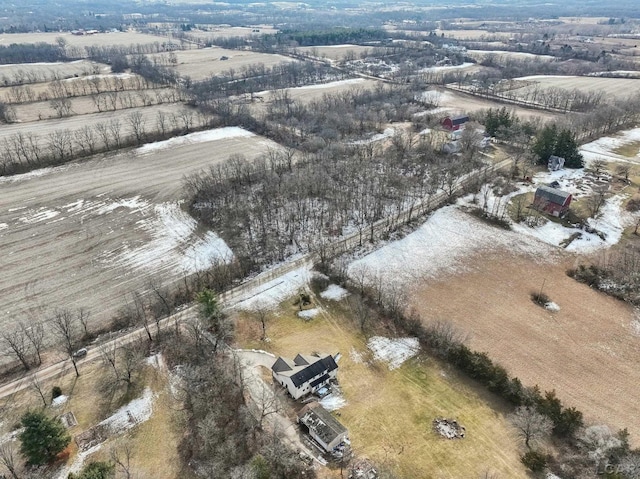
(305, 374)
(552, 201)
(455, 123)
(322, 426)
(555, 163)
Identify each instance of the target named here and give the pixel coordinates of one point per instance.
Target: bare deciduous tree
(65, 328)
(18, 345)
(8, 458)
(530, 425)
(35, 335)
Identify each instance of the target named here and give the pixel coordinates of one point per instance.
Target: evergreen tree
(43, 438)
(96, 470)
(544, 145)
(567, 148)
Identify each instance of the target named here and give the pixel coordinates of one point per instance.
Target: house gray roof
(459, 120)
(553, 195)
(321, 422)
(304, 368)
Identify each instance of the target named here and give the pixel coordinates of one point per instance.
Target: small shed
(552, 201)
(454, 123)
(555, 163)
(323, 428)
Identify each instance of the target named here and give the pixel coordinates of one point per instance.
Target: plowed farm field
(88, 234)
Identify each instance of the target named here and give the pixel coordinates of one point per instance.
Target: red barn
(455, 123)
(552, 201)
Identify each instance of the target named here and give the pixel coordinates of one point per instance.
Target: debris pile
(449, 428)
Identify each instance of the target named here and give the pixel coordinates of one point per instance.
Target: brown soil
(587, 351)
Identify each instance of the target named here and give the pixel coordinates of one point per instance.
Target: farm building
(555, 163)
(552, 201)
(455, 123)
(322, 426)
(305, 374)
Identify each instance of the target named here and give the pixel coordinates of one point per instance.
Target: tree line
(22, 152)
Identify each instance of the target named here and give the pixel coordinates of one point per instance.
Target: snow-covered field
(393, 351)
(216, 134)
(174, 244)
(441, 245)
(604, 148)
(446, 68)
(274, 291)
(334, 293)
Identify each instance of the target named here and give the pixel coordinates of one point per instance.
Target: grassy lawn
(154, 443)
(630, 150)
(389, 413)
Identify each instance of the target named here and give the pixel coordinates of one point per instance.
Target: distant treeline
(330, 37)
(31, 53)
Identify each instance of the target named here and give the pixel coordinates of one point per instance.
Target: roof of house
(459, 120)
(304, 368)
(321, 422)
(554, 158)
(553, 195)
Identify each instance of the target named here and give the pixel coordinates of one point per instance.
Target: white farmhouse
(305, 374)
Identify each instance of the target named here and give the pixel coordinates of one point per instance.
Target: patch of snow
(426, 131)
(434, 111)
(441, 245)
(445, 68)
(41, 214)
(393, 351)
(355, 356)
(337, 83)
(635, 327)
(121, 76)
(603, 148)
(216, 134)
(333, 401)
(611, 221)
(3, 226)
(134, 203)
(78, 462)
(435, 97)
(137, 411)
(542, 77)
(308, 313)
(551, 306)
(173, 245)
(513, 54)
(156, 361)
(273, 292)
(387, 133)
(59, 401)
(33, 174)
(334, 293)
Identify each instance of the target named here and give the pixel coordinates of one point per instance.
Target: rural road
(244, 291)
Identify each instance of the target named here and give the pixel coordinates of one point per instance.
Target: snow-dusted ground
(333, 401)
(445, 68)
(271, 293)
(59, 401)
(174, 244)
(308, 313)
(387, 133)
(393, 351)
(198, 137)
(334, 293)
(441, 245)
(120, 76)
(551, 306)
(603, 148)
(136, 412)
